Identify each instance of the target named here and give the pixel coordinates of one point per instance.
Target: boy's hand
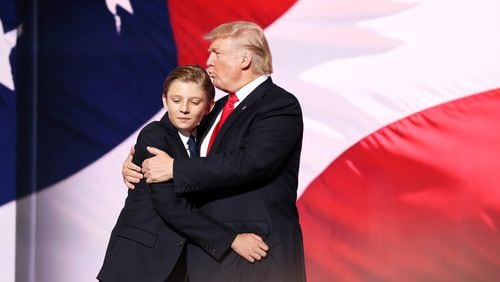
(250, 246)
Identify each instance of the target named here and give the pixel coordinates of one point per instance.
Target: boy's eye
(196, 102)
(176, 100)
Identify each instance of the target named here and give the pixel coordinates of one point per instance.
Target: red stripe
(192, 19)
(417, 200)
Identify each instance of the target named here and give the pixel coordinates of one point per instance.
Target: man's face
(224, 64)
(187, 103)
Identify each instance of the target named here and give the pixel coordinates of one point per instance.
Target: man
(248, 176)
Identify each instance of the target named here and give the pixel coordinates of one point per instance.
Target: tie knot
(226, 111)
(232, 98)
(192, 139)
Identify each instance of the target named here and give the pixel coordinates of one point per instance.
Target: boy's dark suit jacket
(142, 246)
(249, 182)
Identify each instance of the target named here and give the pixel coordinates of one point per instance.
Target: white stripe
(8, 241)
(357, 68)
(75, 218)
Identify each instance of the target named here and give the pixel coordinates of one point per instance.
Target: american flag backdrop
(399, 173)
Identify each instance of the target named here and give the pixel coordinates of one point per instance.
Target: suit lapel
(244, 105)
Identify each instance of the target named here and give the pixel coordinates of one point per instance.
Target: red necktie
(226, 111)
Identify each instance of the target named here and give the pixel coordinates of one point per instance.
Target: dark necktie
(226, 111)
(193, 149)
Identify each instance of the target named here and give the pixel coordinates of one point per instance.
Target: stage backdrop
(399, 175)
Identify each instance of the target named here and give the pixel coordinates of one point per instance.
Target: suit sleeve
(273, 136)
(178, 213)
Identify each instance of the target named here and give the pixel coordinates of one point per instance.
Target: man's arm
(215, 237)
(273, 135)
(159, 167)
(271, 141)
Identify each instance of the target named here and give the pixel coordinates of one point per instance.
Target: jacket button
(180, 243)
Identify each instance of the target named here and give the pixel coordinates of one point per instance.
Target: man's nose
(210, 59)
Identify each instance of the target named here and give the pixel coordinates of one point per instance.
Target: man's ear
(246, 60)
(210, 106)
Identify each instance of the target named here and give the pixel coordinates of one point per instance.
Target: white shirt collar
(185, 139)
(247, 89)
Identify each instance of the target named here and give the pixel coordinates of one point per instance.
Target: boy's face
(186, 104)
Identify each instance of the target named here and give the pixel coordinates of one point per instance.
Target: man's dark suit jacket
(142, 246)
(249, 182)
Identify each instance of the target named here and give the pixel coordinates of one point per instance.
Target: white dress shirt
(185, 140)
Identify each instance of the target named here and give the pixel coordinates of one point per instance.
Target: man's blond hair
(250, 37)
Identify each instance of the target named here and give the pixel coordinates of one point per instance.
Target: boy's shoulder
(152, 130)
(152, 126)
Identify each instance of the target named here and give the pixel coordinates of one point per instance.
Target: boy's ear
(210, 106)
(164, 100)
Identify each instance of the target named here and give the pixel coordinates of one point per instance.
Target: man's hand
(131, 173)
(250, 246)
(158, 168)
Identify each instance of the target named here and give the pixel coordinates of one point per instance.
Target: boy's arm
(214, 237)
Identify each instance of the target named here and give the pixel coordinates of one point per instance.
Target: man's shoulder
(276, 93)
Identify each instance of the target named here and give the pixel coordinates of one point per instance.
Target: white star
(7, 42)
(125, 4)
